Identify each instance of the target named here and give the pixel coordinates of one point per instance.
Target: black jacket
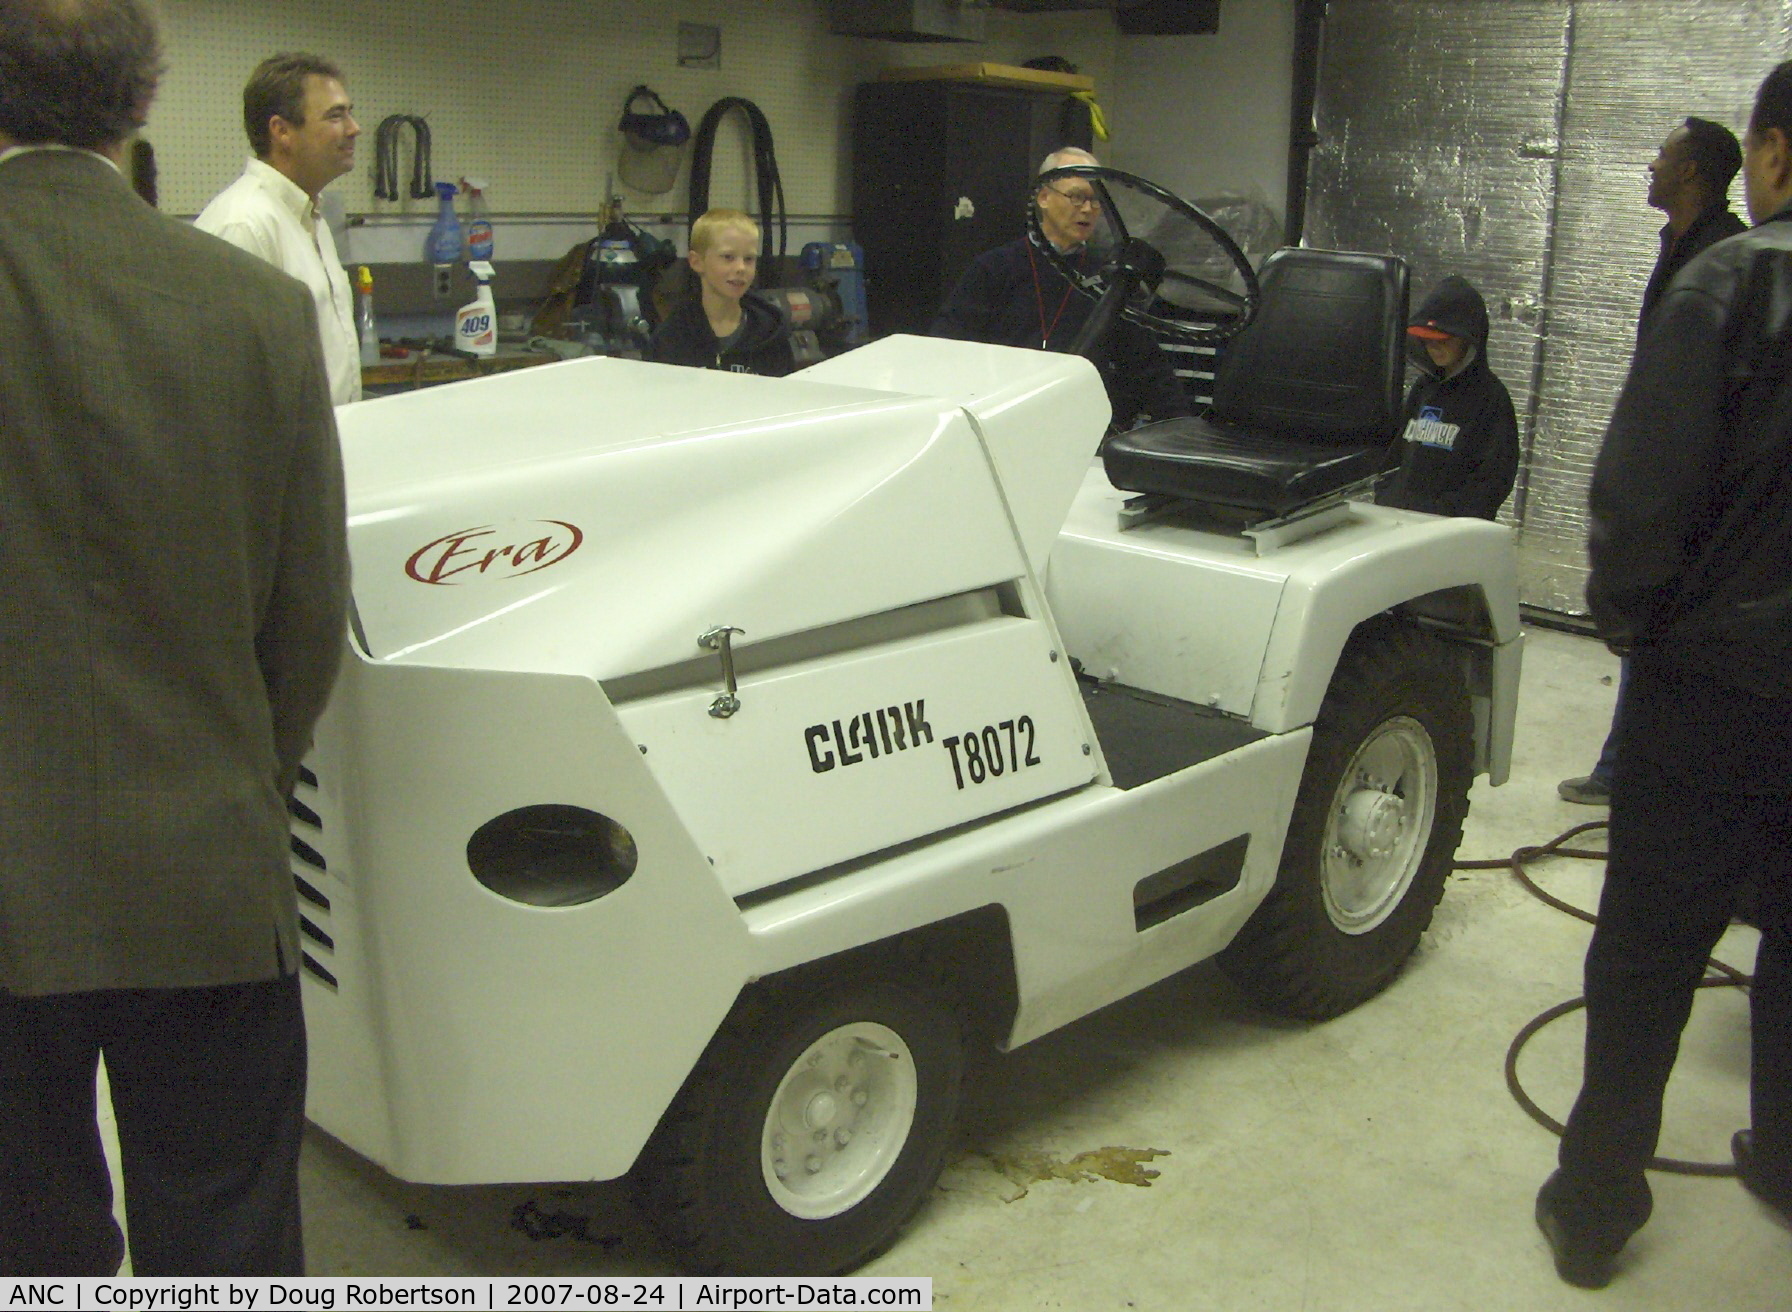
(762, 346)
(1691, 499)
(1458, 454)
(998, 301)
(1711, 227)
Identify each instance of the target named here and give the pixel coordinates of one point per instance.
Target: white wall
(526, 93)
(1208, 115)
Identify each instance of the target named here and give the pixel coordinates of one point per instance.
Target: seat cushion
(1325, 358)
(1225, 465)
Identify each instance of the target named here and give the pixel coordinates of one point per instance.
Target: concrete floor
(1221, 1160)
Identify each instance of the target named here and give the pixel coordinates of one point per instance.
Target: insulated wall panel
(1438, 124)
(1638, 68)
(1508, 140)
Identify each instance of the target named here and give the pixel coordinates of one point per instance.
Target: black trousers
(1706, 802)
(208, 1088)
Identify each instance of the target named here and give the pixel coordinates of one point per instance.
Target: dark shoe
(1578, 1263)
(1587, 790)
(1775, 1194)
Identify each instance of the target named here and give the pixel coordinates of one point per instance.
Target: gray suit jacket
(173, 583)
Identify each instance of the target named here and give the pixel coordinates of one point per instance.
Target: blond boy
(726, 325)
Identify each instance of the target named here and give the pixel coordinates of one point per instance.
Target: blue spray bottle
(443, 245)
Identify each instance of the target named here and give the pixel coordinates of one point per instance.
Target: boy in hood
(727, 325)
(1459, 452)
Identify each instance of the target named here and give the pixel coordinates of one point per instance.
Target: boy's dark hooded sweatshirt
(760, 346)
(1458, 454)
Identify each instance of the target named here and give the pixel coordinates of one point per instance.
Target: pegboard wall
(527, 93)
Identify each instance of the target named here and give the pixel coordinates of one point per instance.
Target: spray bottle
(442, 247)
(370, 337)
(476, 323)
(479, 223)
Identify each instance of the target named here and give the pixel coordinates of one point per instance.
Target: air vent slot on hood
(306, 805)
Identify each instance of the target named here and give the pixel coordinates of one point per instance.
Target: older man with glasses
(1014, 296)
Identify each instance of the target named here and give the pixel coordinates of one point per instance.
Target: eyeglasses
(1082, 200)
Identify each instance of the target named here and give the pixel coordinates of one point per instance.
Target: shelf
(997, 75)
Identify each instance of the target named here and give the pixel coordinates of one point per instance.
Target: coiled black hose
(1727, 977)
(765, 168)
(385, 158)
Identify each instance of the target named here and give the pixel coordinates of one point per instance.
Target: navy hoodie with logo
(1458, 453)
(761, 346)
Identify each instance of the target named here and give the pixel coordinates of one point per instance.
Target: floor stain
(538, 1225)
(1026, 1169)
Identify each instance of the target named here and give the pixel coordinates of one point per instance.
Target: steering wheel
(1207, 276)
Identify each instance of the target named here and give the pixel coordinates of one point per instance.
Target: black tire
(1375, 829)
(705, 1178)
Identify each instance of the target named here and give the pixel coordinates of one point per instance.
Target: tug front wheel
(812, 1129)
(1375, 829)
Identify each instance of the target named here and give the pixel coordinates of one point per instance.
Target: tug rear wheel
(1375, 828)
(811, 1131)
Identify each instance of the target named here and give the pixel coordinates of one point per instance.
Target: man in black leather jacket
(1691, 548)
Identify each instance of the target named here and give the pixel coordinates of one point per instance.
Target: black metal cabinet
(941, 172)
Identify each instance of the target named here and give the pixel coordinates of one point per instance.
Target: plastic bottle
(479, 224)
(443, 245)
(370, 337)
(476, 322)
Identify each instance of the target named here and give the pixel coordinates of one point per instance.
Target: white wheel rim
(1378, 825)
(839, 1120)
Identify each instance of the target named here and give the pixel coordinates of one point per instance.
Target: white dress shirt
(268, 214)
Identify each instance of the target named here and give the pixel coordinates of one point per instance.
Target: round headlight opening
(552, 855)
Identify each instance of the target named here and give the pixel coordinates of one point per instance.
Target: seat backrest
(1325, 358)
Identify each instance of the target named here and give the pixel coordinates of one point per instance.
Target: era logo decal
(490, 550)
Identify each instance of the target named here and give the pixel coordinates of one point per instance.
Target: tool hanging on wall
(765, 166)
(651, 142)
(385, 158)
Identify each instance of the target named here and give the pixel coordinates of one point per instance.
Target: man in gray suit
(172, 611)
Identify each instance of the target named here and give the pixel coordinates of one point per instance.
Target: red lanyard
(1045, 330)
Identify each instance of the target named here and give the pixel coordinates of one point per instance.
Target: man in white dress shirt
(302, 130)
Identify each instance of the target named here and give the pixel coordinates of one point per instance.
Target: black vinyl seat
(1306, 400)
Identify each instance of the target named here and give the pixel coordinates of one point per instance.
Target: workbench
(424, 368)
